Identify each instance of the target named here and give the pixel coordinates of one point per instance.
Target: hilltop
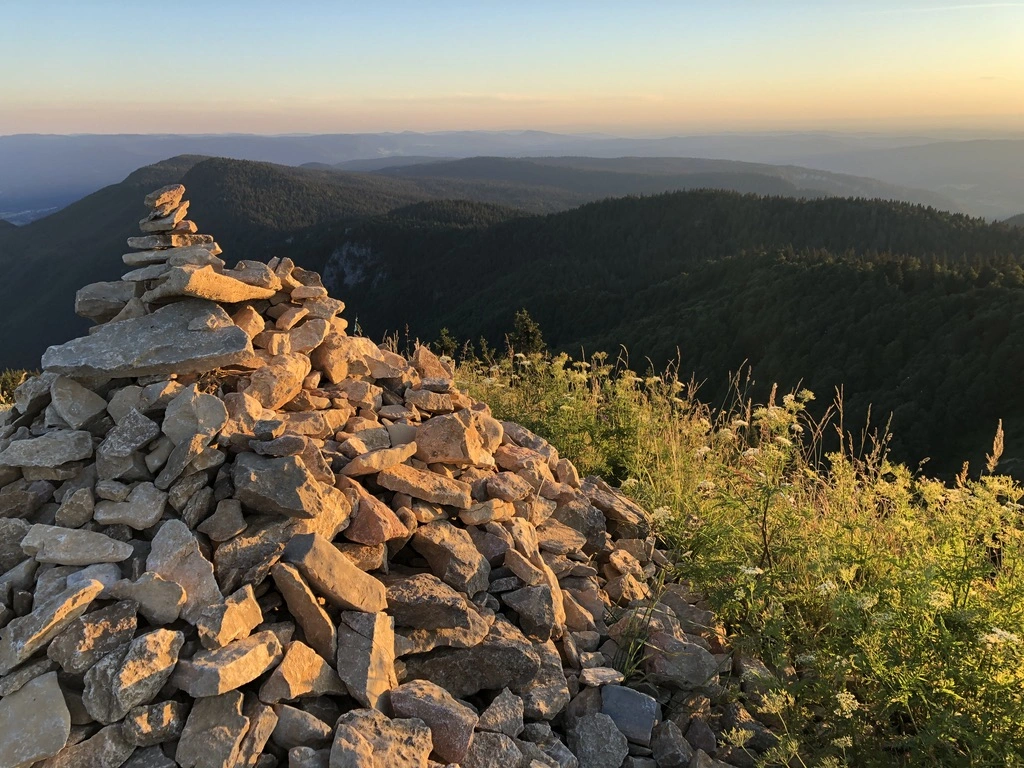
(1015, 221)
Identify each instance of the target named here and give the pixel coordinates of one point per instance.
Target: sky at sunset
(636, 68)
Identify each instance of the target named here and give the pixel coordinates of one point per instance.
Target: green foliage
(9, 381)
(890, 605)
(526, 337)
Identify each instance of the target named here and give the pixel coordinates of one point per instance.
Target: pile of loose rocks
(233, 535)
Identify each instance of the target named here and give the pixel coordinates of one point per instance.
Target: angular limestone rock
(34, 723)
(160, 601)
(231, 620)
(428, 486)
(73, 546)
(132, 676)
(302, 672)
(398, 742)
(74, 403)
(91, 637)
(333, 575)
(175, 556)
(451, 723)
(153, 724)
(457, 438)
(108, 748)
(309, 615)
(213, 733)
(452, 556)
(142, 510)
(202, 282)
(366, 655)
(211, 673)
(504, 715)
(186, 337)
(23, 636)
(49, 450)
(281, 486)
(596, 742)
(504, 659)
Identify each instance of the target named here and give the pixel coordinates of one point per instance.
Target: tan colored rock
(231, 620)
(279, 381)
(333, 575)
(168, 240)
(490, 511)
(249, 320)
(428, 486)
(165, 223)
(451, 723)
(456, 438)
(366, 655)
(169, 195)
(374, 461)
(316, 625)
(452, 556)
(213, 733)
(211, 673)
(398, 742)
(302, 672)
(34, 723)
(204, 283)
(25, 635)
(132, 676)
(372, 520)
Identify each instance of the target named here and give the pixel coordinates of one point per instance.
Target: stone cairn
(232, 535)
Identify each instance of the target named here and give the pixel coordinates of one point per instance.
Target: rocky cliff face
(233, 535)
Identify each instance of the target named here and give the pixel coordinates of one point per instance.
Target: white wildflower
(997, 636)
(843, 742)
(704, 450)
(866, 602)
(827, 587)
(747, 570)
(706, 486)
(846, 704)
(940, 600)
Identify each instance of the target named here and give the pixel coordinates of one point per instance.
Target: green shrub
(890, 605)
(9, 381)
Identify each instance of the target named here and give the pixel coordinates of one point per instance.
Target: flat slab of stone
(192, 336)
(428, 486)
(333, 575)
(34, 723)
(366, 655)
(204, 283)
(211, 673)
(73, 546)
(49, 450)
(91, 637)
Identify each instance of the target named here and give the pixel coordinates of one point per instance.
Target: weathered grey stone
(150, 757)
(211, 673)
(404, 742)
(49, 450)
(262, 722)
(24, 674)
(202, 282)
(118, 454)
(175, 556)
(23, 498)
(131, 676)
(102, 301)
(536, 609)
(296, 728)
(281, 486)
(596, 742)
(597, 676)
(672, 661)
(34, 723)
(160, 601)
(366, 655)
(333, 575)
(302, 604)
(23, 636)
(72, 546)
(504, 715)
(634, 713)
(503, 658)
(153, 724)
(185, 337)
(213, 733)
(75, 404)
(108, 748)
(545, 694)
(225, 523)
(374, 461)
(75, 510)
(167, 195)
(492, 750)
(231, 620)
(670, 747)
(12, 531)
(91, 637)
(142, 510)
(451, 723)
(452, 556)
(302, 672)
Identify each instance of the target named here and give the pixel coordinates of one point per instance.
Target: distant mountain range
(905, 307)
(985, 178)
(1015, 221)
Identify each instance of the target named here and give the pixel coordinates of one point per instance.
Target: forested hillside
(1015, 221)
(913, 311)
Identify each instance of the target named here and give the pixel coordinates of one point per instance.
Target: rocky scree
(233, 535)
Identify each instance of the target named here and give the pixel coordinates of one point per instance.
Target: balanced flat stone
(204, 283)
(191, 336)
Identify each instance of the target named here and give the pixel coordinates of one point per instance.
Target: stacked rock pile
(233, 535)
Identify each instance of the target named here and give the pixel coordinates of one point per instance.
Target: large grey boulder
(192, 336)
